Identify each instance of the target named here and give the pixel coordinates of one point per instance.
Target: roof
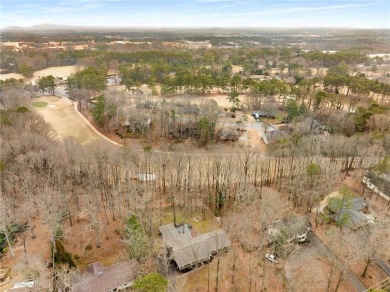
(95, 268)
(382, 182)
(117, 275)
(146, 176)
(356, 219)
(291, 226)
(354, 212)
(188, 250)
(262, 114)
(25, 286)
(171, 236)
(358, 204)
(270, 136)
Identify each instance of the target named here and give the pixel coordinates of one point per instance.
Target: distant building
(198, 45)
(25, 286)
(145, 176)
(14, 46)
(98, 278)
(357, 213)
(385, 57)
(188, 251)
(260, 114)
(260, 77)
(80, 47)
(271, 133)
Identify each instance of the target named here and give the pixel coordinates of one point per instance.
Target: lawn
(199, 227)
(40, 104)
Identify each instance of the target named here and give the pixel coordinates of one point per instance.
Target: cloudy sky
(198, 13)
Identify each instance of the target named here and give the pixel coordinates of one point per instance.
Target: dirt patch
(11, 75)
(308, 270)
(245, 278)
(221, 99)
(64, 120)
(254, 141)
(236, 69)
(60, 72)
(37, 250)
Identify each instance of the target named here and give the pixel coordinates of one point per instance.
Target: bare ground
(62, 117)
(60, 71)
(11, 75)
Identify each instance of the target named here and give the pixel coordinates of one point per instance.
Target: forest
(167, 156)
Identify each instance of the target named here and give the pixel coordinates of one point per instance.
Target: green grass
(40, 104)
(187, 217)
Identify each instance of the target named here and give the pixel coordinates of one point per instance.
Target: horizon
(201, 14)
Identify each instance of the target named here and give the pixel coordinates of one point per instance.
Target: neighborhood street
(349, 275)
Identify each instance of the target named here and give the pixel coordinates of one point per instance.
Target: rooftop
(100, 279)
(188, 250)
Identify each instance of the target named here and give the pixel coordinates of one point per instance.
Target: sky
(198, 13)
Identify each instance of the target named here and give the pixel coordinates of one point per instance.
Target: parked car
(271, 258)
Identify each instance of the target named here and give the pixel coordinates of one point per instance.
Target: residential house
(268, 137)
(379, 184)
(117, 277)
(358, 214)
(188, 251)
(260, 77)
(355, 213)
(294, 228)
(145, 176)
(259, 114)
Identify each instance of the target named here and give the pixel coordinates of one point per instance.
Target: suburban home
(117, 277)
(356, 214)
(145, 176)
(379, 184)
(188, 251)
(259, 114)
(294, 228)
(260, 77)
(137, 123)
(274, 135)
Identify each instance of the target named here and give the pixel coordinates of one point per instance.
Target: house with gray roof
(378, 183)
(268, 137)
(188, 251)
(356, 213)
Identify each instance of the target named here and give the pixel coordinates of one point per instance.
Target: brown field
(60, 71)
(11, 75)
(64, 120)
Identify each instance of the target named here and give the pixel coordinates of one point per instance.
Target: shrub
(61, 256)
(153, 282)
(22, 109)
(88, 247)
(138, 245)
(147, 148)
(59, 234)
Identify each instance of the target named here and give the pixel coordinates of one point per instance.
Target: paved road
(385, 267)
(61, 91)
(324, 248)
